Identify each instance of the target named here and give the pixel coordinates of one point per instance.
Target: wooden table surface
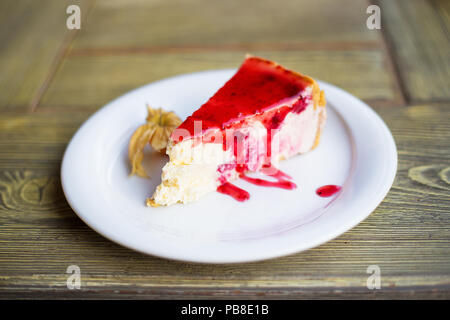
(52, 79)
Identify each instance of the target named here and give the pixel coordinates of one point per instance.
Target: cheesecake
(264, 114)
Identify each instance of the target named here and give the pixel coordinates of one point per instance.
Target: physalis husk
(156, 131)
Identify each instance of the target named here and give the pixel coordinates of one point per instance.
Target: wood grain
(99, 79)
(408, 235)
(443, 10)
(204, 23)
(123, 45)
(31, 38)
(418, 32)
(35, 140)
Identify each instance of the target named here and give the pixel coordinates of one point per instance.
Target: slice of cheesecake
(263, 114)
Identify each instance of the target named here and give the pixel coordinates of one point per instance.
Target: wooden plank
(418, 33)
(89, 82)
(205, 23)
(443, 9)
(30, 37)
(408, 235)
(35, 140)
(31, 40)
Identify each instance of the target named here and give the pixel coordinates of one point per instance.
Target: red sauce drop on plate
(328, 190)
(233, 191)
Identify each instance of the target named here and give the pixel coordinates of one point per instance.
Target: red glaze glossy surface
(258, 85)
(328, 190)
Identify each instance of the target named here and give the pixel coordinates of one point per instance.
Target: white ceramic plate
(357, 151)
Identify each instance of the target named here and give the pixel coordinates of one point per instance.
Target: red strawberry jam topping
(257, 86)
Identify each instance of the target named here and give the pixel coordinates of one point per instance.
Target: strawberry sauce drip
(242, 195)
(233, 191)
(280, 183)
(278, 174)
(328, 190)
